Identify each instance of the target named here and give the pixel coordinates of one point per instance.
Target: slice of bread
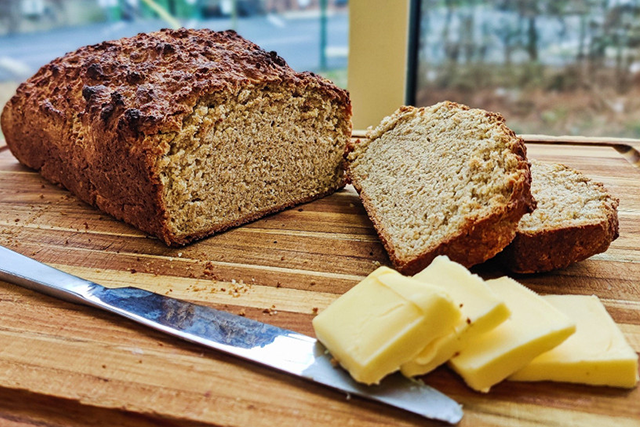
(575, 219)
(442, 180)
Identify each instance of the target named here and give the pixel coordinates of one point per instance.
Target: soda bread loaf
(442, 180)
(575, 219)
(182, 133)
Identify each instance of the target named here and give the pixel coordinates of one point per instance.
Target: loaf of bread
(442, 180)
(575, 219)
(181, 133)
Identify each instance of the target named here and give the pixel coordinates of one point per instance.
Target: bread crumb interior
(259, 151)
(566, 198)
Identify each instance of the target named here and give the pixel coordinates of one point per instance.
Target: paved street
(296, 38)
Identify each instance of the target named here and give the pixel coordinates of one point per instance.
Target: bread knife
(277, 348)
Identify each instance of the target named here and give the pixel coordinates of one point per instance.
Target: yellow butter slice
(535, 326)
(481, 309)
(597, 354)
(383, 322)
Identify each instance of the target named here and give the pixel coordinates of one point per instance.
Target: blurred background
(562, 67)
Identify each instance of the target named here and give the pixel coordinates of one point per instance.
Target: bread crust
(555, 249)
(475, 244)
(480, 239)
(96, 120)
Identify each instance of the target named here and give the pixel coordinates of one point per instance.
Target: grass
(543, 100)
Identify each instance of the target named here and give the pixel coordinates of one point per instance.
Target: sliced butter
(596, 354)
(535, 326)
(481, 311)
(383, 322)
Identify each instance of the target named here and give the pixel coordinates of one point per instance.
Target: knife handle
(34, 275)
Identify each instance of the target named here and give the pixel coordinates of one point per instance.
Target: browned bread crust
(569, 227)
(100, 120)
(489, 222)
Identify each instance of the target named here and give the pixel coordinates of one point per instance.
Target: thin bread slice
(575, 219)
(442, 180)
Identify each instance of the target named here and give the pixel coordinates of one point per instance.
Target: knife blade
(277, 348)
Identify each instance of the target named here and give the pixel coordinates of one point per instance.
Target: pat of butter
(535, 326)
(383, 322)
(596, 354)
(481, 311)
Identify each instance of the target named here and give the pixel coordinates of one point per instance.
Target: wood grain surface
(63, 364)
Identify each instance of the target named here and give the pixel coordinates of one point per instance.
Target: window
(552, 67)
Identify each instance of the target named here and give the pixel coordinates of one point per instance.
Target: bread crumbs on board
(271, 311)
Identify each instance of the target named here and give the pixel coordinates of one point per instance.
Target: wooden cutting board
(63, 364)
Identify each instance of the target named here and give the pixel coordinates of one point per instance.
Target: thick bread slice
(575, 219)
(181, 133)
(442, 180)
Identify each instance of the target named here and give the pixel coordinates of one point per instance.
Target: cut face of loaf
(575, 219)
(181, 133)
(238, 159)
(442, 180)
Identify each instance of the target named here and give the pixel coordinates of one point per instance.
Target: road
(295, 37)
